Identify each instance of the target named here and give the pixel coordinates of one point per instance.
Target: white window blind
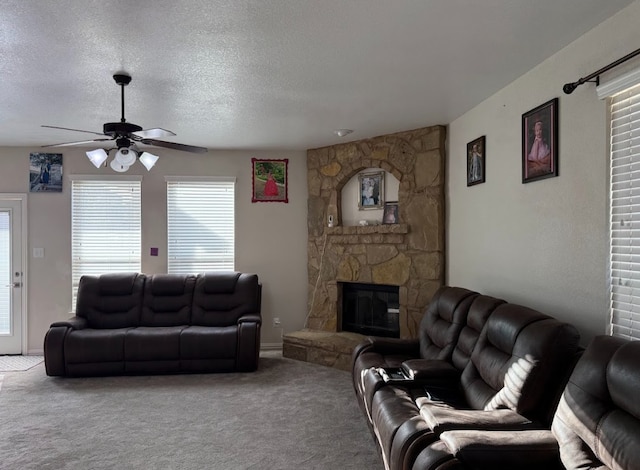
(625, 214)
(105, 228)
(200, 226)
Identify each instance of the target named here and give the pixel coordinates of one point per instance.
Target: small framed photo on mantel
(476, 164)
(390, 215)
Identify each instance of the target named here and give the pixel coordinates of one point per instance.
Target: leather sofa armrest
(428, 370)
(248, 352)
(409, 347)
(504, 449)
(75, 323)
(250, 318)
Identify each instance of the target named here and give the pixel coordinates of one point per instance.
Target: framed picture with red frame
(270, 180)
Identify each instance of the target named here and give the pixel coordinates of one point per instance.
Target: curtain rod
(569, 87)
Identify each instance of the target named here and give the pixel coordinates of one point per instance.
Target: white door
(11, 276)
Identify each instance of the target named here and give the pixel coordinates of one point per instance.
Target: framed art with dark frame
(270, 180)
(476, 161)
(45, 172)
(371, 190)
(540, 142)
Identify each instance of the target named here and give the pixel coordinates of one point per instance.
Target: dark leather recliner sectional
(479, 363)
(132, 323)
(596, 424)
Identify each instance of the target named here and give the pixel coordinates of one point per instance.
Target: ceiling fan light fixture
(97, 157)
(117, 166)
(126, 156)
(148, 160)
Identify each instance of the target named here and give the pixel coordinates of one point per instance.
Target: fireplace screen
(371, 309)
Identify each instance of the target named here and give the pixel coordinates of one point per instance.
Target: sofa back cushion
(597, 423)
(220, 298)
(167, 300)
(111, 300)
(441, 324)
(519, 362)
(479, 311)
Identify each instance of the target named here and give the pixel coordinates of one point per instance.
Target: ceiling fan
(125, 134)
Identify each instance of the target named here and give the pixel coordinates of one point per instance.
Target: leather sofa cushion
(220, 283)
(523, 356)
(214, 304)
(89, 345)
(479, 311)
(111, 300)
(440, 326)
(198, 342)
(167, 300)
(153, 343)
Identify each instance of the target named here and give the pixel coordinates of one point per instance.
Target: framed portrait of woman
(270, 180)
(540, 142)
(371, 190)
(476, 161)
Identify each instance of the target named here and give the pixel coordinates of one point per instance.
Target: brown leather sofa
(596, 425)
(132, 323)
(504, 370)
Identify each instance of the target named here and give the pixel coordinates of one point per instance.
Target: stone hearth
(409, 254)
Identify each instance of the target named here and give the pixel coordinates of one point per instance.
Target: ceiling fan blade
(80, 142)
(75, 130)
(154, 133)
(175, 146)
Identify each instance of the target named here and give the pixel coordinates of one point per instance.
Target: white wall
(271, 238)
(543, 244)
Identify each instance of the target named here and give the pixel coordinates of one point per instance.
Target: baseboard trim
(35, 352)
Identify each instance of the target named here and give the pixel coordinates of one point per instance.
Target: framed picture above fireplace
(371, 190)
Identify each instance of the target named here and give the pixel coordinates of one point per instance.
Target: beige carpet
(287, 415)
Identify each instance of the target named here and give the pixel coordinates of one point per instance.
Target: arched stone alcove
(409, 255)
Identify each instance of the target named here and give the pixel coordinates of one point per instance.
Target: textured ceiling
(269, 74)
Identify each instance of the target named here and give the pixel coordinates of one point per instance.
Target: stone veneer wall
(409, 254)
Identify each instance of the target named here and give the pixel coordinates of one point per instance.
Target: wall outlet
(276, 322)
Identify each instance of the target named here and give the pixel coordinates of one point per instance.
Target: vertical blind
(5, 273)
(625, 214)
(200, 226)
(105, 228)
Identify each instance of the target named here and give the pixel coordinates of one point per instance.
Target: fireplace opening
(371, 309)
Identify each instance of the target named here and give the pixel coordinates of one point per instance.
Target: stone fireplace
(409, 254)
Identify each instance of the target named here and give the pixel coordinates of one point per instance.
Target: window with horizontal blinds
(105, 228)
(625, 214)
(200, 226)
